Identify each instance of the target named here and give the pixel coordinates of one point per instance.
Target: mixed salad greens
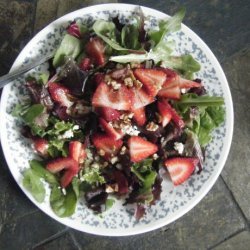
(114, 114)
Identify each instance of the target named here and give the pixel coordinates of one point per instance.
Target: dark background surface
(221, 219)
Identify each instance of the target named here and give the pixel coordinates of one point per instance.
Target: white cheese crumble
(67, 134)
(179, 147)
(184, 91)
(76, 127)
(64, 191)
(130, 130)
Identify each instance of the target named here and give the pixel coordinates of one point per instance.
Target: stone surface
(45, 15)
(237, 170)
(240, 241)
(65, 7)
(25, 232)
(207, 224)
(16, 25)
(63, 242)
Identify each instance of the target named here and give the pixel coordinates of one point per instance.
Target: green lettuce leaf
(92, 176)
(33, 112)
(70, 46)
(63, 205)
(210, 114)
(167, 26)
(32, 182)
(39, 169)
(143, 170)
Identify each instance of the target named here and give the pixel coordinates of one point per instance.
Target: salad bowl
(119, 219)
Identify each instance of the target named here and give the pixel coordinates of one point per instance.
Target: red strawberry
(165, 113)
(152, 79)
(59, 164)
(175, 116)
(187, 84)
(108, 128)
(140, 148)
(59, 94)
(173, 92)
(95, 49)
(108, 114)
(85, 64)
(172, 79)
(76, 151)
(139, 116)
(41, 146)
(68, 176)
(106, 146)
(180, 168)
(105, 96)
(139, 98)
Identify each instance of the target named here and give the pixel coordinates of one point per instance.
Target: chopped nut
(135, 65)
(112, 188)
(123, 150)
(107, 79)
(130, 115)
(105, 164)
(129, 82)
(101, 152)
(114, 160)
(137, 84)
(97, 158)
(155, 156)
(119, 66)
(151, 126)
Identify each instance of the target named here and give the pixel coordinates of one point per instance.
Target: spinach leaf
(40, 170)
(63, 205)
(32, 182)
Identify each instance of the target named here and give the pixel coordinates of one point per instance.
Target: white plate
(175, 201)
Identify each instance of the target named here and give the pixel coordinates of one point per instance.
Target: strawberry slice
(180, 168)
(139, 98)
(187, 84)
(59, 93)
(105, 96)
(165, 113)
(41, 146)
(106, 146)
(152, 79)
(59, 164)
(108, 128)
(68, 176)
(95, 49)
(76, 151)
(173, 92)
(139, 116)
(175, 116)
(85, 64)
(109, 114)
(140, 148)
(172, 79)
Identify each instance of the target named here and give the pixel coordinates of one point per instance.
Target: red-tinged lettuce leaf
(96, 199)
(122, 182)
(156, 190)
(140, 211)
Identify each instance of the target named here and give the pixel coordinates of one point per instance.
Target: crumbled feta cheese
(67, 134)
(183, 91)
(64, 191)
(155, 156)
(179, 147)
(130, 130)
(114, 160)
(76, 127)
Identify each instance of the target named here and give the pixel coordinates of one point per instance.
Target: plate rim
(229, 117)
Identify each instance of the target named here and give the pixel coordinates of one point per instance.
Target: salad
(116, 114)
